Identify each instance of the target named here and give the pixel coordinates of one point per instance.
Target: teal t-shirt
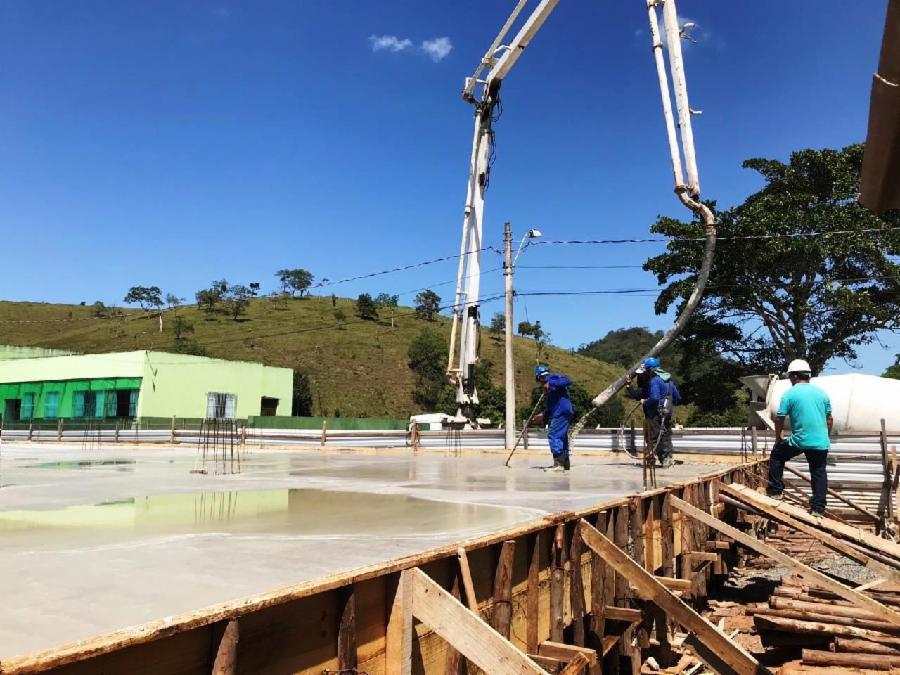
(807, 406)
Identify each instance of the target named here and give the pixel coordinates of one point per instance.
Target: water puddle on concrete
(269, 512)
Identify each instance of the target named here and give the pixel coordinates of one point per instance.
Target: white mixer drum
(858, 402)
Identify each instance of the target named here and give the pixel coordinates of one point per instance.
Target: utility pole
(510, 425)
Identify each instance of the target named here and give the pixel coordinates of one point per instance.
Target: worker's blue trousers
(558, 436)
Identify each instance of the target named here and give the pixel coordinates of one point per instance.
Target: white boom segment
(466, 319)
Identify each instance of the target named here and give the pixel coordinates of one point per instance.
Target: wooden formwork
(546, 589)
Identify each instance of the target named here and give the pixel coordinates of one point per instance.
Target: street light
(509, 265)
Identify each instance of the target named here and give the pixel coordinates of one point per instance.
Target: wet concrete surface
(92, 541)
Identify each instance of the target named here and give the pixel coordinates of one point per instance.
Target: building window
(26, 412)
(220, 406)
(85, 404)
(51, 404)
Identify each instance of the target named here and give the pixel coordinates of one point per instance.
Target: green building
(138, 385)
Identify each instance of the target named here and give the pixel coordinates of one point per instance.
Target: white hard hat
(799, 366)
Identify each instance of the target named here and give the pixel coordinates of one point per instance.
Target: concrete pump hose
(708, 219)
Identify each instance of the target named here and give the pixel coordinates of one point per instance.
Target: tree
(428, 304)
(254, 288)
(302, 400)
(148, 297)
(894, 370)
(426, 360)
(237, 299)
(207, 299)
(783, 287)
(366, 308)
(386, 300)
(98, 309)
(498, 322)
(340, 316)
(295, 281)
(173, 301)
(525, 328)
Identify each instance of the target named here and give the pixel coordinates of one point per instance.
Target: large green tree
(894, 370)
(802, 270)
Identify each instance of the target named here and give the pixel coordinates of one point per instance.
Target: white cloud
(438, 48)
(389, 43)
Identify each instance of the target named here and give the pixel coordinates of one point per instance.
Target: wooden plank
(501, 616)
(649, 589)
(557, 583)
(598, 588)
(853, 534)
(466, 573)
(347, 659)
(825, 537)
(626, 614)
(837, 495)
(807, 572)
(454, 659)
(398, 636)
(227, 654)
(533, 594)
(465, 630)
(682, 585)
(576, 666)
(576, 588)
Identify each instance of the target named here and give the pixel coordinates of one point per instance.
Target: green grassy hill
(356, 367)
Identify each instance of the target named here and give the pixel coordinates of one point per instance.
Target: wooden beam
(465, 630)
(826, 538)
(675, 584)
(623, 614)
(226, 654)
(557, 583)
(807, 572)
(576, 588)
(598, 588)
(701, 556)
(466, 572)
(501, 615)
(837, 495)
(533, 594)
(398, 635)
(853, 534)
(649, 589)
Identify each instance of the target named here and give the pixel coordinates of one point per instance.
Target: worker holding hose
(558, 411)
(658, 396)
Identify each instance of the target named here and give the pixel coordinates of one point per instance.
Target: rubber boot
(557, 467)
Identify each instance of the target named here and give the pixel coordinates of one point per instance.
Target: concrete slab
(96, 540)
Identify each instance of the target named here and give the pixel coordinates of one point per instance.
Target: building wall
(179, 382)
(170, 384)
(8, 352)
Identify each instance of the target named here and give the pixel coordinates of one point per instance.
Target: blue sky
(173, 143)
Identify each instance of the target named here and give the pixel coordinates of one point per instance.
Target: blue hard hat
(541, 370)
(651, 363)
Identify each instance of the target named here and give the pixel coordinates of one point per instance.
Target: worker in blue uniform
(558, 413)
(658, 396)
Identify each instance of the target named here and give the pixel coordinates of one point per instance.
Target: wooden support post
(638, 543)
(501, 616)
(465, 631)
(808, 573)
(533, 594)
(399, 632)
(324, 438)
(576, 588)
(648, 588)
(116, 437)
(557, 583)
(466, 574)
(667, 567)
(577, 666)
(347, 629)
(226, 654)
(172, 431)
(59, 429)
(598, 589)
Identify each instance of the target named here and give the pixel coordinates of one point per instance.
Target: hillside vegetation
(355, 367)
